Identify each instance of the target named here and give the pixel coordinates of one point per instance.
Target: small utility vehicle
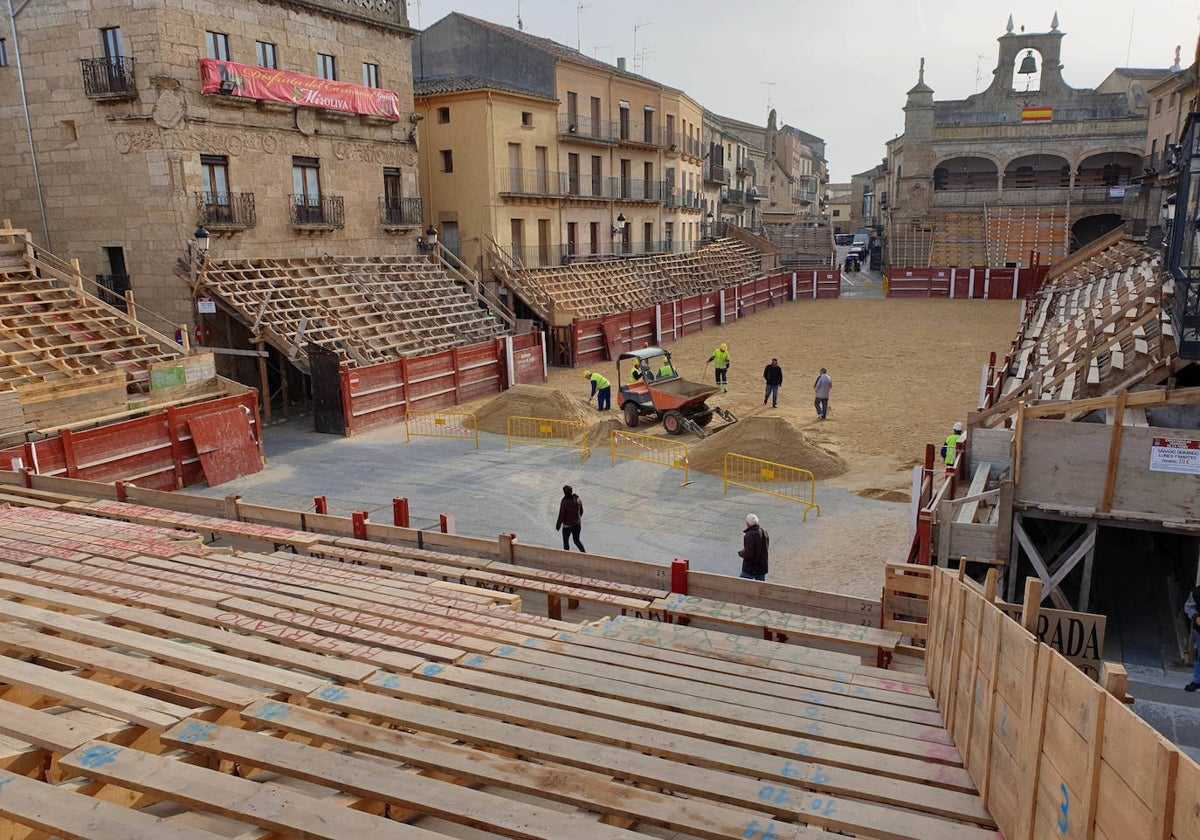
(657, 391)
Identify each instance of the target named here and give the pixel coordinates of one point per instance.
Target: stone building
(735, 155)
(1030, 168)
(284, 128)
(597, 161)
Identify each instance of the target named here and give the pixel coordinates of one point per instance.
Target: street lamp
(619, 226)
(203, 239)
(198, 250)
(431, 236)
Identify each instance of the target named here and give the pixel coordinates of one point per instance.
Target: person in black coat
(773, 375)
(570, 518)
(755, 542)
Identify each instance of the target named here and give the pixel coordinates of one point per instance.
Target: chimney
(621, 63)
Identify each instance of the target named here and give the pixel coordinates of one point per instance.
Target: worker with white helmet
(755, 542)
(953, 445)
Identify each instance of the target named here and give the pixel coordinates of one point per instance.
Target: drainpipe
(37, 178)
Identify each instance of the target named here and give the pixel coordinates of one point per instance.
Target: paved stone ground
(633, 510)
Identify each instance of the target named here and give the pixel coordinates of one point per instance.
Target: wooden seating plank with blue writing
(270, 806)
(653, 648)
(785, 788)
(594, 791)
(58, 730)
(630, 702)
(166, 650)
(362, 776)
(73, 816)
(134, 669)
(718, 684)
(799, 626)
(124, 705)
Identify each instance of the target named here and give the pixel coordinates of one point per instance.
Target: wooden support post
(400, 513)
(1085, 588)
(989, 585)
(131, 310)
(264, 387)
(446, 523)
(507, 544)
(553, 606)
(1032, 605)
(1115, 680)
(185, 339)
(359, 521)
(1114, 451)
(321, 505)
(232, 512)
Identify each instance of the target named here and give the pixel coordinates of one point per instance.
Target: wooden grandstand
(591, 289)
(960, 240)
(1015, 232)
(1099, 325)
(367, 310)
(182, 690)
(802, 244)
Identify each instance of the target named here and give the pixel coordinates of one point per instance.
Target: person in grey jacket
(821, 389)
(1191, 608)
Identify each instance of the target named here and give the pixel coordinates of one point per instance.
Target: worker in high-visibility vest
(601, 390)
(636, 374)
(666, 370)
(952, 444)
(720, 360)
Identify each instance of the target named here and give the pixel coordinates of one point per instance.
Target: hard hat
(587, 374)
(751, 519)
(958, 427)
(723, 347)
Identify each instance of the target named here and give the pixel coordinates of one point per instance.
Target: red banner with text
(244, 80)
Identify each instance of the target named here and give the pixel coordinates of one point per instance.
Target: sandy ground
(903, 372)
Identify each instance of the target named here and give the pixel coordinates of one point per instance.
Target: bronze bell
(1028, 64)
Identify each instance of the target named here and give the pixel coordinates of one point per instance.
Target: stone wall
(127, 173)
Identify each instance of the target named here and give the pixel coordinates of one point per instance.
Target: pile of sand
(533, 401)
(768, 438)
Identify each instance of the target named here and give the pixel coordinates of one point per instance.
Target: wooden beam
(264, 385)
(1114, 451)
(1031, 605)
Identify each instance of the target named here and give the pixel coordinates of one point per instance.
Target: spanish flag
(1037, 114)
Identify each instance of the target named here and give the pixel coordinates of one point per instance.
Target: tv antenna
(979, 70)
(640, 59)
(770, 95)
(520, 23)
(579, 7)
(635, 33)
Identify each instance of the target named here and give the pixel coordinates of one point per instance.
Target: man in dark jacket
(754, 550)
(773, 374)
(570, 518)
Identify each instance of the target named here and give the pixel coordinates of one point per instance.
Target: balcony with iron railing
(746, 168)
(683, 199)
(397, 211)
(108, 78)
(588, 187)
(806, 196)
(733, 198)
(584, 129)
(226, 211)
(715, 174)
(325, 212)
(637, 189)
(532, 182)
(639, 134)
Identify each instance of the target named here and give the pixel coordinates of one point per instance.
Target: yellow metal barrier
(542, 431)
(780, 480)
(460, 425)
(653, 450)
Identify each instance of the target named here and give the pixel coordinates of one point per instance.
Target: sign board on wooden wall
(1175, 455)
(1077, 636)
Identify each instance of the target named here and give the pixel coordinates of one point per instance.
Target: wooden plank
(73, 816)
(625, 759)
(1114, 451)
(58, 730)
(739, 615)
(208, 690)
(125, 705)
(362, 776)
(593, 791)
(272, 807)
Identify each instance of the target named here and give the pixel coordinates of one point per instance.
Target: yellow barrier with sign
(460, 425)
(780, 480)
(542, 431)
(651, 449)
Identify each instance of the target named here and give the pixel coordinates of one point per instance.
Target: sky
(838, 69)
